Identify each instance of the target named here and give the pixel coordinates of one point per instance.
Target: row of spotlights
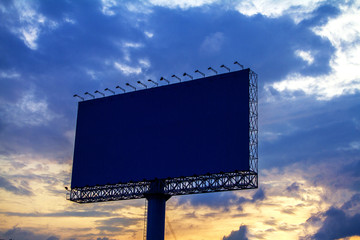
(155, 83)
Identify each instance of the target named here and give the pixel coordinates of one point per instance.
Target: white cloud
(149, 34)
(91, 73)
(213, 43)
(343, 30)
(356, 123)
(344, 34)
(25, 22)
(69, 20)
(142, 8)
(145, 63)
(9, 74)
(297, 9)
(132, 45)
(305, 55)
(184, 4)
(29, 111)
(107, 7)
(126, 47)
(355, 145)
(126, 69)
(271, 136)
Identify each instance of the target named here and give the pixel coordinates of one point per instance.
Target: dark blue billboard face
(183, 129)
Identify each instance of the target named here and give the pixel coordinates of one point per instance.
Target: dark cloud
(240, 234)
(294, 187)
(307, 128)
(56, 70)
(116, 224)
(87, 213)
(321, 15)
(338, 224)
(21, 234)
(287, 227)
(259, 195)
(53, 238)
(125, 222)
(78, 55)
(271, 222)
(235, 36)
(8, 186)
(288, 211)
(354, 202)
(72, 53)
(212, 200)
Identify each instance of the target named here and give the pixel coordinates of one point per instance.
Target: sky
(305, 52)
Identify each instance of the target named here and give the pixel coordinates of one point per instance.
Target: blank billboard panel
(183, 129)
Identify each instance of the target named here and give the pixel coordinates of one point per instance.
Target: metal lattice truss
(253, 121)
(187, 185)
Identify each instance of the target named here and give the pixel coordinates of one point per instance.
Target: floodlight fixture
(149, 80)
(75, 95)
(197, 71)
(87, 93)
(242, 66)
(174, 76)
(107, 89)
(210, 68)
(186, 74)
(162, 78)
(223, 66)
(121, 88)
(97, 91)
(139, 82)
(128, 84)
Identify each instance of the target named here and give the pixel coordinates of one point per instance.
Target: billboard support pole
(156, 211)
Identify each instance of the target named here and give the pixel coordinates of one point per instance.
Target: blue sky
(306, 54)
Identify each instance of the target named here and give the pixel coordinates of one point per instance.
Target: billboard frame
(207, 183)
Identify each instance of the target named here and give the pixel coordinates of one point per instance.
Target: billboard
(183, 129)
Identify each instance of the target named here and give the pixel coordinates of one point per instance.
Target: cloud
(19, 233)
(354, 145)
(53, 238)
(116, 224)
(107, 7)
(240, 234)
(338, 224)
(183, 4)
(28, 111)
(259, 195)
(353, 205)
(61, 214)
(276, 40)
(306, 126)
(27, 23)
(305, 55)
(213, 43)
(212, 200)
(343, 32)
(8, 186)
(298, 9)
(125, 222)
(9, 74)
(149, 34)
(126, 69)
